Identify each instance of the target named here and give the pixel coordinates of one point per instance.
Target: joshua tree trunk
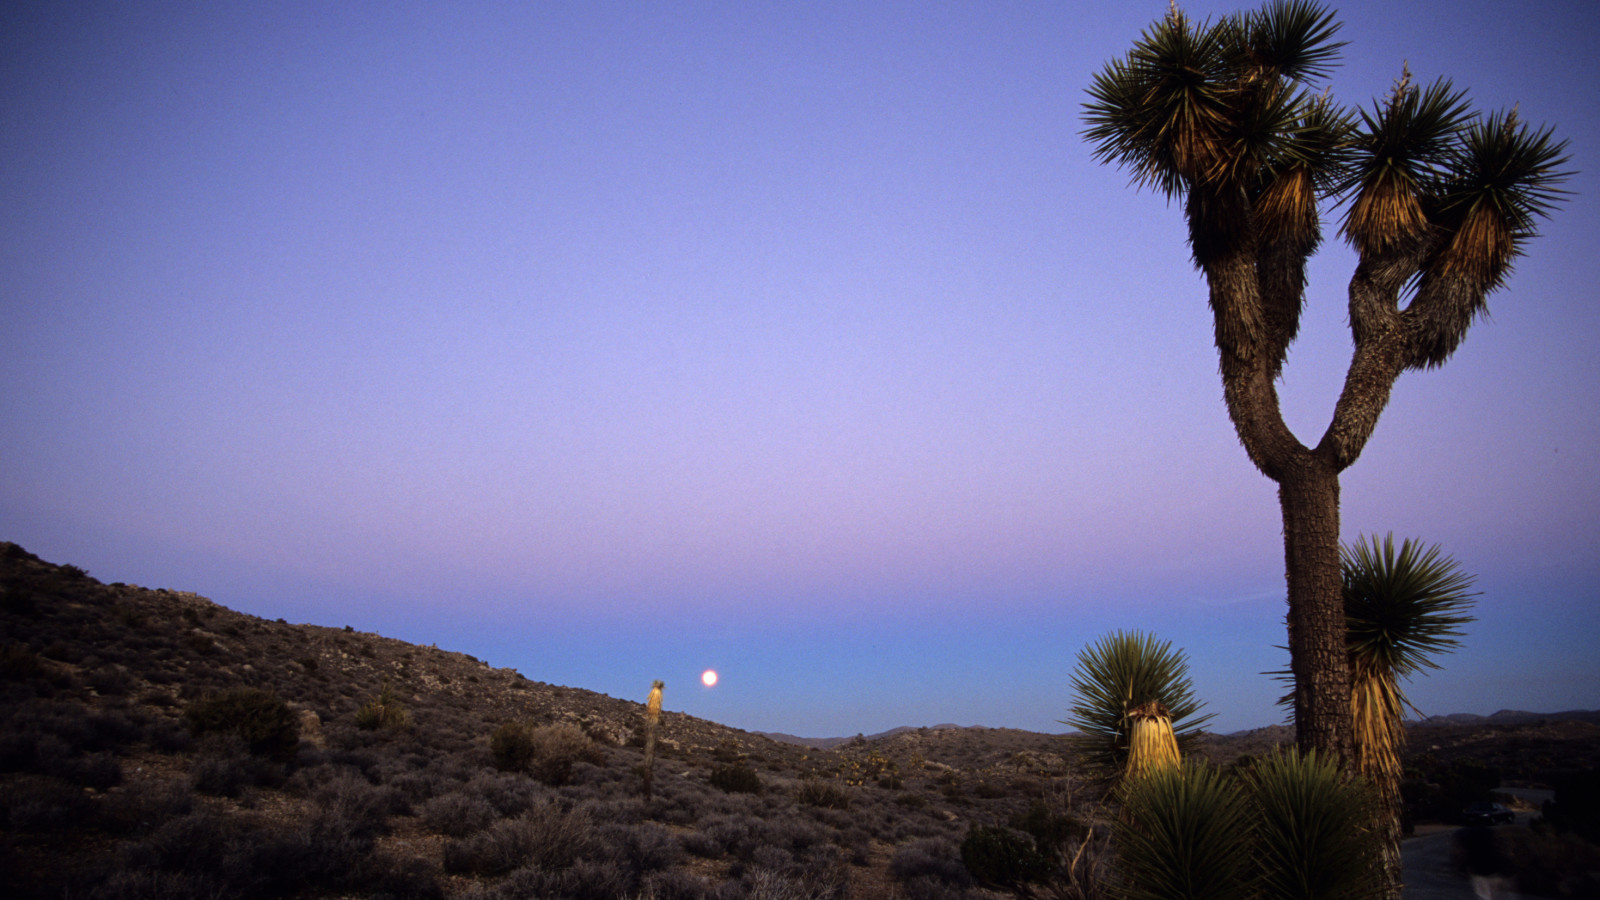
(1319, 658)
(1308, 494)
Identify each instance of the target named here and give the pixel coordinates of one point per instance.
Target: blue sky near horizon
(612, 342)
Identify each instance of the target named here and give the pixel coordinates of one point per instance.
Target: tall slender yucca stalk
(652, 722)
(1401, 608)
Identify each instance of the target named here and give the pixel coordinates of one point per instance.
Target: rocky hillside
(350, 764)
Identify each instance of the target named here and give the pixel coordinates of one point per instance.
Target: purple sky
(615, 341)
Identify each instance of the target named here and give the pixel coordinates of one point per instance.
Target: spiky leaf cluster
(1227, 116)
(1119, 675)
(1224, 105)
(1184, 835)
(1293, 827)
(1402, 606)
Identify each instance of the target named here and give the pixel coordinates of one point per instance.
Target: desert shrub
(824, 794)
(795, 834)
(221, 774)
(406, 878)
(584, 880)
(1576, 804)
(547, 752)
(111, 681)
(1543, 861)
(38, 805)
(167, 735)
(673, 884)
(323, 851)
(202, 844)
(223, 766)
(930, 868)
(17, 662)
(511, 745)
(736, 834)
(988, 790)
(418, 787)
(97, 771)
(998, 855)
(143, 806)
(510, 795)
(760, 883)
(62, 651)
(118, 725)
(14, 598)
(547, 836)
(457, 814)
(260, 718)
(359, 806)
(1049, 829)
(735, 778)
(643, 848)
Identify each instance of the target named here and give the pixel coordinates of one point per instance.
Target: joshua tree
(1134, 702)
(1400, 609)
(1439, 202)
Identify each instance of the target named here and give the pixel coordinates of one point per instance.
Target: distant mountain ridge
(1510, 717)
(832, 742)
(1271, 733)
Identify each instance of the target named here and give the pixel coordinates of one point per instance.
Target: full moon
(709, 678)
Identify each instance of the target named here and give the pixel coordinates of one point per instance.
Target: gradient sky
(615, 341)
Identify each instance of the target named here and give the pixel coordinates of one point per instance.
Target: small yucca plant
(1133, 702)
(1184, 834)
(1313, 829)
(386, 713)
(1293, 828)
(1401, 608)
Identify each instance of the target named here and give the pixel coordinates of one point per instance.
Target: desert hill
(390, 769)
(390, 781)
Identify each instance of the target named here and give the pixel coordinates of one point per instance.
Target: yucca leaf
(1313, 829)
(1184, 834)
(1402, 606)
(1503, 179)
(1294, 39)
(1399, 154)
